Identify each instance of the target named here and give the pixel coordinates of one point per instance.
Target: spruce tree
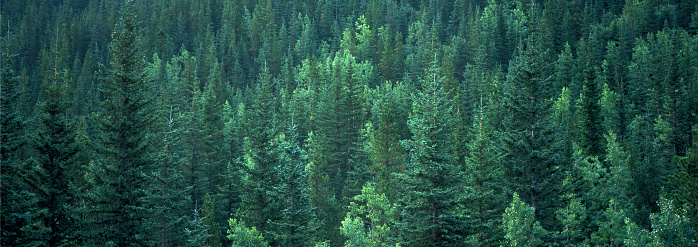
(296, 225)
(520, 225)
(339, 119)
(684, 182)
(431, 181)
(16, 202)
(387, 156)
(483, 184)
(170, 210)
(530, 138)
(55, 173)
(590, 129)
(257, 208)
(124, 146)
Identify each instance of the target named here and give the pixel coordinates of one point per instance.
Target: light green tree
(520, 226)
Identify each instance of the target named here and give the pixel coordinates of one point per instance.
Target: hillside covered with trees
(349, 122)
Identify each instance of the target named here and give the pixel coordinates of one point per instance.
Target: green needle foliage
(520, 225)
(431, 182)
(124, 148)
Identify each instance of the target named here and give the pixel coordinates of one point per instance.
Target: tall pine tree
(431, 181)
(55, 174)
(124, 146)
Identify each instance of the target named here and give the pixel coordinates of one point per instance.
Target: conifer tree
(339, 119)
(55, 172)
(125, 146)
(296, 225)
(167, 198)
(483, 184)
(387, 156)
(17, 203)
(684, 182)
(530, 138)
(214, 149)
(431, 182)
(257, 208)
(520, 226)
(209, 222)
(589, 114)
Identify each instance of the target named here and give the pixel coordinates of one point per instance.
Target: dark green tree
(431, 181)
(124, 146)
(483, 181)
(296, 225)
(17, 203)
(530, 138)
(209, 222)
(589, 125)
(258, 162)
(339, 119)
(55, 173)
(684, 182)
(390, 108)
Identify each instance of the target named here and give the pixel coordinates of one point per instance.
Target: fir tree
(520, 225)
(339, 120)
(17, 203)
(383, 145)
(484, 188)
(590, 121)
(55, 174)
(297, 224)
(530, 138)
(684, 182)
(431, 181)
(259, 160)
(124, 146)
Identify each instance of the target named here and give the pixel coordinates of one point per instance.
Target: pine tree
(387, 156)
(530, 138)
(214, 149)
(369, 219)
(17, 203)
(296, 226)
(169, 209)
(55, 172)
(610, 110)
(209, 222)
(257, 207)
(339, 120)
(589, 114)
(684, 182)
(520, 226)
(431, 181)
(484, 187)
(125, 145)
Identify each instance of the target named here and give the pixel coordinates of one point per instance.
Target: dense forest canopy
(349, 123)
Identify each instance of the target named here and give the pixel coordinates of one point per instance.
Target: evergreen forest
(360, 123)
